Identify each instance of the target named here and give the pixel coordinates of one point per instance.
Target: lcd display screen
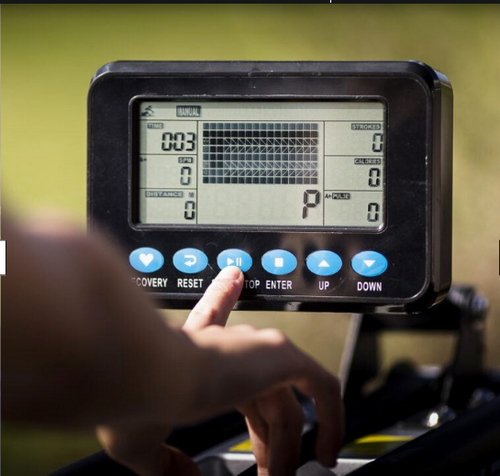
(262, 163)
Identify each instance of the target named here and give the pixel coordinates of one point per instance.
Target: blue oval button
(369, 264)
(146, 260)
(190, 260)
(279, 262)
(235, 257)
(324, 263)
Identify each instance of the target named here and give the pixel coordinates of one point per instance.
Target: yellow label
(243, 447)
(382, 439)
(374, 444)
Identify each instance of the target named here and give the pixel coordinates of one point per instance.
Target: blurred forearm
(81, 345)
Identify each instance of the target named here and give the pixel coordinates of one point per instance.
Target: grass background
(50, 52)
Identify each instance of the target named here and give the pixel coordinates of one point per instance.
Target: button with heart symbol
(146, 260)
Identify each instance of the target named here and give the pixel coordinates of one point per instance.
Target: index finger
(218, 301)
(325, 391)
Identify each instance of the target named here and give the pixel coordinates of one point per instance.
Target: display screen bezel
(134, 145)
(415, 240)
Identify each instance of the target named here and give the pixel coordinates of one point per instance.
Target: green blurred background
(50, 52)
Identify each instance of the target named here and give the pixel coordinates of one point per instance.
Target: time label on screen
(319, 164)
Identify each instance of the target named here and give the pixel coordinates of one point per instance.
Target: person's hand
(90, 348)
(243, 367)
(274, 418)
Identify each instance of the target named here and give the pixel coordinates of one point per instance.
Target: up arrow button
(324, 263)
(369, 264)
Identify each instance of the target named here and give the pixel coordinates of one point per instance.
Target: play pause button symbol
(234, 257)
(236, 262)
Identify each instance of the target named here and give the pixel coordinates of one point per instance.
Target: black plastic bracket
(463, 313)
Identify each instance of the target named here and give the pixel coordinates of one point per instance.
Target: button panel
(369, 264)
(279, 262)
(235, 257)
(276, 262)
(190, 260)
(146, 260)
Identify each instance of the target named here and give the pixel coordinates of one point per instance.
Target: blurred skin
(83, 347)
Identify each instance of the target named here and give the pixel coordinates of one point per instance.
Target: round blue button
(146, 260)
(235, 257)
(324, 263)
(279, 262)
(190, 260)
(369, 264)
